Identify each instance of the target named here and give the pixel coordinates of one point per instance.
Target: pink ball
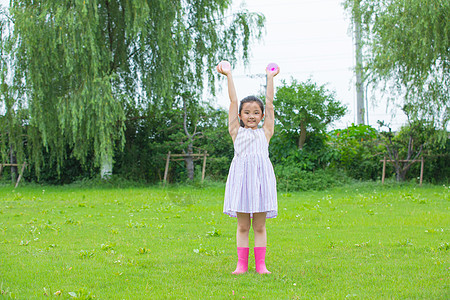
(272, 67)
(225, 65)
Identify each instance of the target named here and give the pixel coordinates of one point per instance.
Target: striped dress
(251, 184)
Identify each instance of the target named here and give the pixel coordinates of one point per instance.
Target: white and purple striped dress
(251, 184)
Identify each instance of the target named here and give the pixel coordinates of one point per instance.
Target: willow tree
(11, 108)
(78, 64)
(407, 53)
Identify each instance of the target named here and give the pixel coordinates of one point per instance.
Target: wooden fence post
(20, 175)
(421, 170)
(384, 170)
(166, 171)
(204, 165)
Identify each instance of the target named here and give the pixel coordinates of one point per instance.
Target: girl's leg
(259, 227)
(243, 228)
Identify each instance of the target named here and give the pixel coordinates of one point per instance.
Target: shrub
(294, 178)
(360, 151)
(316, 153)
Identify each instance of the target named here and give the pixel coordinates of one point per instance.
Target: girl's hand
(224, 68)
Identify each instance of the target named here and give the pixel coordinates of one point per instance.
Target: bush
(294, 178)
(70, 170)
(316, 153)
(360, 151)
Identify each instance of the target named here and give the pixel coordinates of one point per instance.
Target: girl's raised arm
(233, 117)
(269, 120)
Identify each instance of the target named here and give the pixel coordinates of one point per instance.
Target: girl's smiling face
(251, 114)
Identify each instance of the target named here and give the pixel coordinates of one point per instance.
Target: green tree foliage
(78, 66)
(13, 114)
(306, 106)
(149, 139)
(359, 151)
(360, 148)
(306, 168)
(303, 111)
(407, 51)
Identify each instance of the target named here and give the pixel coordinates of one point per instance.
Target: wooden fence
(421, 160)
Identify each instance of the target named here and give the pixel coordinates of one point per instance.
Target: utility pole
(360, 111)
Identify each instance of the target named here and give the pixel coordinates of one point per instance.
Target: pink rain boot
(260, 260)
(242, 264)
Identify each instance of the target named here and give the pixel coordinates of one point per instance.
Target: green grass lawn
(364, 241)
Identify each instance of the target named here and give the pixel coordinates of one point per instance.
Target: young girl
(250, 193)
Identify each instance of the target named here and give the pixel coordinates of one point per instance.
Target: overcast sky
(307, 39)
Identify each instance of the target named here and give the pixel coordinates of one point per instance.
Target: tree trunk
(190, 167)
(106, 167)
(189, 162)
(302, 138)
(401, 174)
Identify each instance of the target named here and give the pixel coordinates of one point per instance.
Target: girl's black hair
(247, 100)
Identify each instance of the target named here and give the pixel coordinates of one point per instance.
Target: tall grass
(358, 241)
